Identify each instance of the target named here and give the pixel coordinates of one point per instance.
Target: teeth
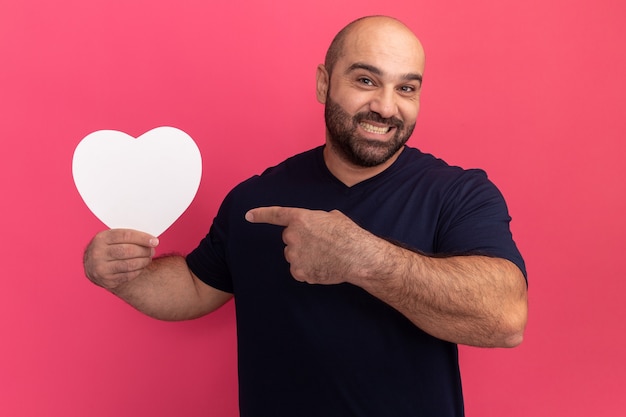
(374, 129)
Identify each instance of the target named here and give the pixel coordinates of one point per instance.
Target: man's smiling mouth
(375, 129)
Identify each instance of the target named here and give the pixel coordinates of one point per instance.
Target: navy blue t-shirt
(335, 350)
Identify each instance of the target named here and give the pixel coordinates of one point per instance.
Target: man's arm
(121, 261)
(472, 300)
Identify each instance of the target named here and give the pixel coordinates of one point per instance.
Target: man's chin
(370, 153)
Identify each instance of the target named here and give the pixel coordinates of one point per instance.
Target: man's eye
(407, 89)
(366, 81)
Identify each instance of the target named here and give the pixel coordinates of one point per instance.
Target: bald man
(357, 267)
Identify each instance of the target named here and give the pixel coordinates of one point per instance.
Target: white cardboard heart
(144, 183)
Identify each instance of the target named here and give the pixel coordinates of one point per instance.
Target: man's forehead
(401, 61)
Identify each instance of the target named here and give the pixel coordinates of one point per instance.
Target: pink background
(531, 91)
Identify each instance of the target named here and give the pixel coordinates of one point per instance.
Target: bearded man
(357, 267)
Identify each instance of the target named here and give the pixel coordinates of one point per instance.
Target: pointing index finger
(276, 215)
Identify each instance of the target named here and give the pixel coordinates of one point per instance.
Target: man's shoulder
(300, 162)
(426, 165)
(285, 177)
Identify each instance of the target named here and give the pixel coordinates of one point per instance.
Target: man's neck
(349, 173)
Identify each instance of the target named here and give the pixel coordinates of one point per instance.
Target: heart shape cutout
(142, 183)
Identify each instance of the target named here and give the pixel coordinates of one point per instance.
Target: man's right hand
(117, 256)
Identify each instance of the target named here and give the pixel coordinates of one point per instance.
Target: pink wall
(532, 91)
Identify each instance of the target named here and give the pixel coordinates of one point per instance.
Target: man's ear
(322, 80)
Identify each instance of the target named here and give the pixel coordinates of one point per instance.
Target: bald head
(371, 29)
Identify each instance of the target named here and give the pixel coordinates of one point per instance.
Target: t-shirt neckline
(360, 185)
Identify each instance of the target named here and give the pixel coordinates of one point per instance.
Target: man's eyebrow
(377, 71)
(413, 76)
(363, 66)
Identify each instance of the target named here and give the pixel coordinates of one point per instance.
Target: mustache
(375, 117)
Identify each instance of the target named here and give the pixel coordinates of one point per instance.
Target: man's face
(372, 96)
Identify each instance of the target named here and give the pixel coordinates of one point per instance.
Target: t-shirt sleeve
(476, 221)
(209, 260)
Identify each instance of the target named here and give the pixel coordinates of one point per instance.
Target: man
(357, 267)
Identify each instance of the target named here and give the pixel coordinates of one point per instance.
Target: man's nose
(384, 103)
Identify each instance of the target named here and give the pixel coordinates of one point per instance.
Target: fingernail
(154, 242)
(249, 216)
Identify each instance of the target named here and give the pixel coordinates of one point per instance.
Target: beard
(362, 152)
